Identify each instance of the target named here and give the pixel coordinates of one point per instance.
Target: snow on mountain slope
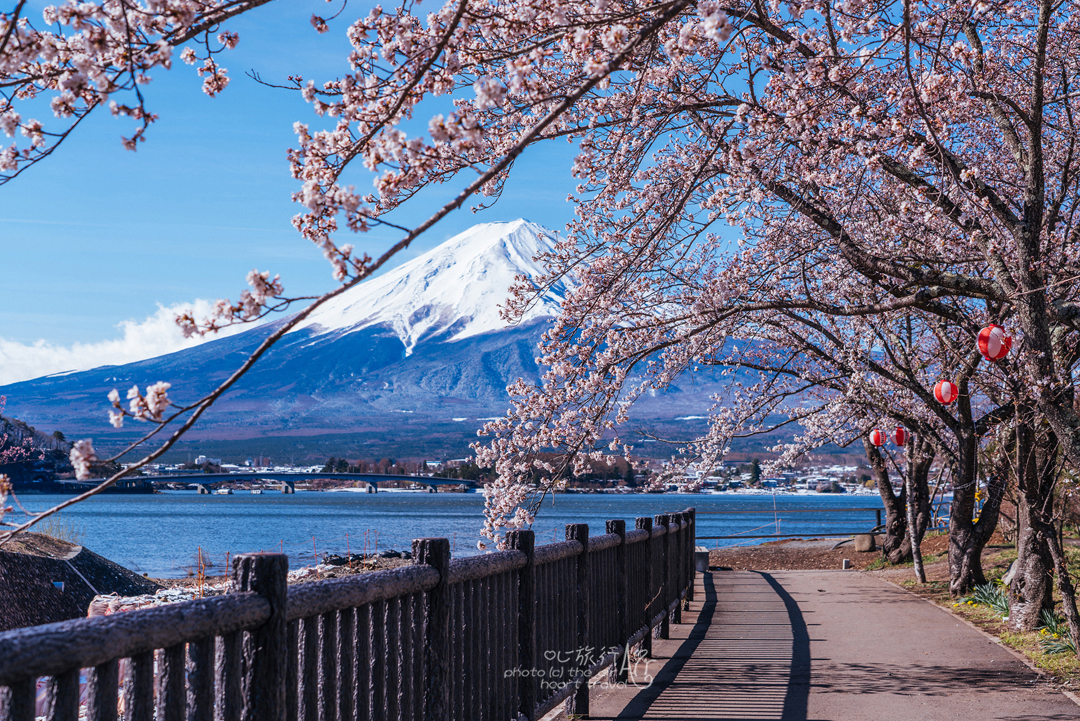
(451, 292)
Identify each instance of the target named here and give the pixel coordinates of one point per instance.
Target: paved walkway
(826, 646)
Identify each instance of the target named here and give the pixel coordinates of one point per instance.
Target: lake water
(160, 534)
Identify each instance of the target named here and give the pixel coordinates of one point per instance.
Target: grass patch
(1063, 667)
(1054, 636)
(62, 528)
(990, 595)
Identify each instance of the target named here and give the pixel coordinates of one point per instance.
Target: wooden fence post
(577, 705)
(265, 647)
(200, 681)
(171, 697)
(139, 689)
(691, 549)
(435, 552)
(18, 702)
(622, 592)
(664, 520)
(103, 681)
(525, 541)
(645, 524)
(677, 565)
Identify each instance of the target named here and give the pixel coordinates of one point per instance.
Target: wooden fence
(503, 636)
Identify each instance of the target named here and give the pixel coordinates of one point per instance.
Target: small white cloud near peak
(153, 336)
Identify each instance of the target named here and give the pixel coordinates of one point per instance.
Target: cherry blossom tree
(873, 158)
(876, 158)
(835, 377)
(81, 56)
(16, 446)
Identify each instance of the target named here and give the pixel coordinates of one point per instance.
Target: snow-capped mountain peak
(451, 292)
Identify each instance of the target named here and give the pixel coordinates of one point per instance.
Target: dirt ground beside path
(818, 554)
(797, 554)
(791, 555)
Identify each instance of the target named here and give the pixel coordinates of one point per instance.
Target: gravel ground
(323, 572)
(799, 554)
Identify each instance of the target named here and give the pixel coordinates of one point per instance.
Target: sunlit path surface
(826, 646)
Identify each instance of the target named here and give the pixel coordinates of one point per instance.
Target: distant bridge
(288, 480)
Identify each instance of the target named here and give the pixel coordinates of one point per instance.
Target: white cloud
(154, 336)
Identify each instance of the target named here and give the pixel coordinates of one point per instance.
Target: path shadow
(798, 690)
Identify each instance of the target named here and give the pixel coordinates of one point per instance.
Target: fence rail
(508, 635)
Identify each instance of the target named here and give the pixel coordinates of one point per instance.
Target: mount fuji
(421, 347)
(447, 294)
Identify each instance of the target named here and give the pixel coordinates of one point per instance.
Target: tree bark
(967, 535)
(896, 544)
(1031, 589)
(920, 457)
(913, 534)
(1064, 583)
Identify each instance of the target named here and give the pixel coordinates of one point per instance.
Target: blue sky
(96, 241)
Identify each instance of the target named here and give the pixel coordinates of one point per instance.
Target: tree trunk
(1031, 589)
(965, 561)
(896, 544)
(913, 532)
(968, 536)
(920, 457)
(1064, 583)
(967, 541)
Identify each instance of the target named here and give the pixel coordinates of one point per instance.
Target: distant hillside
(28, 455)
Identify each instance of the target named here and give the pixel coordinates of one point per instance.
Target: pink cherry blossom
(82, 456)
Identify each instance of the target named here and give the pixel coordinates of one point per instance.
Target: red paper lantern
(900, 436)
(993, 343)
(946, 392)
(877, 437)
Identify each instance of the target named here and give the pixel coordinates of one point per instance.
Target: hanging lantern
(900, 436)
(946, 392)
(877, 437)
(993, 343)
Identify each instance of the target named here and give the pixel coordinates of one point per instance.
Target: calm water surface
(160, 534)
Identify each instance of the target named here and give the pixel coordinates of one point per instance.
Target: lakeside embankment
(43, 580)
